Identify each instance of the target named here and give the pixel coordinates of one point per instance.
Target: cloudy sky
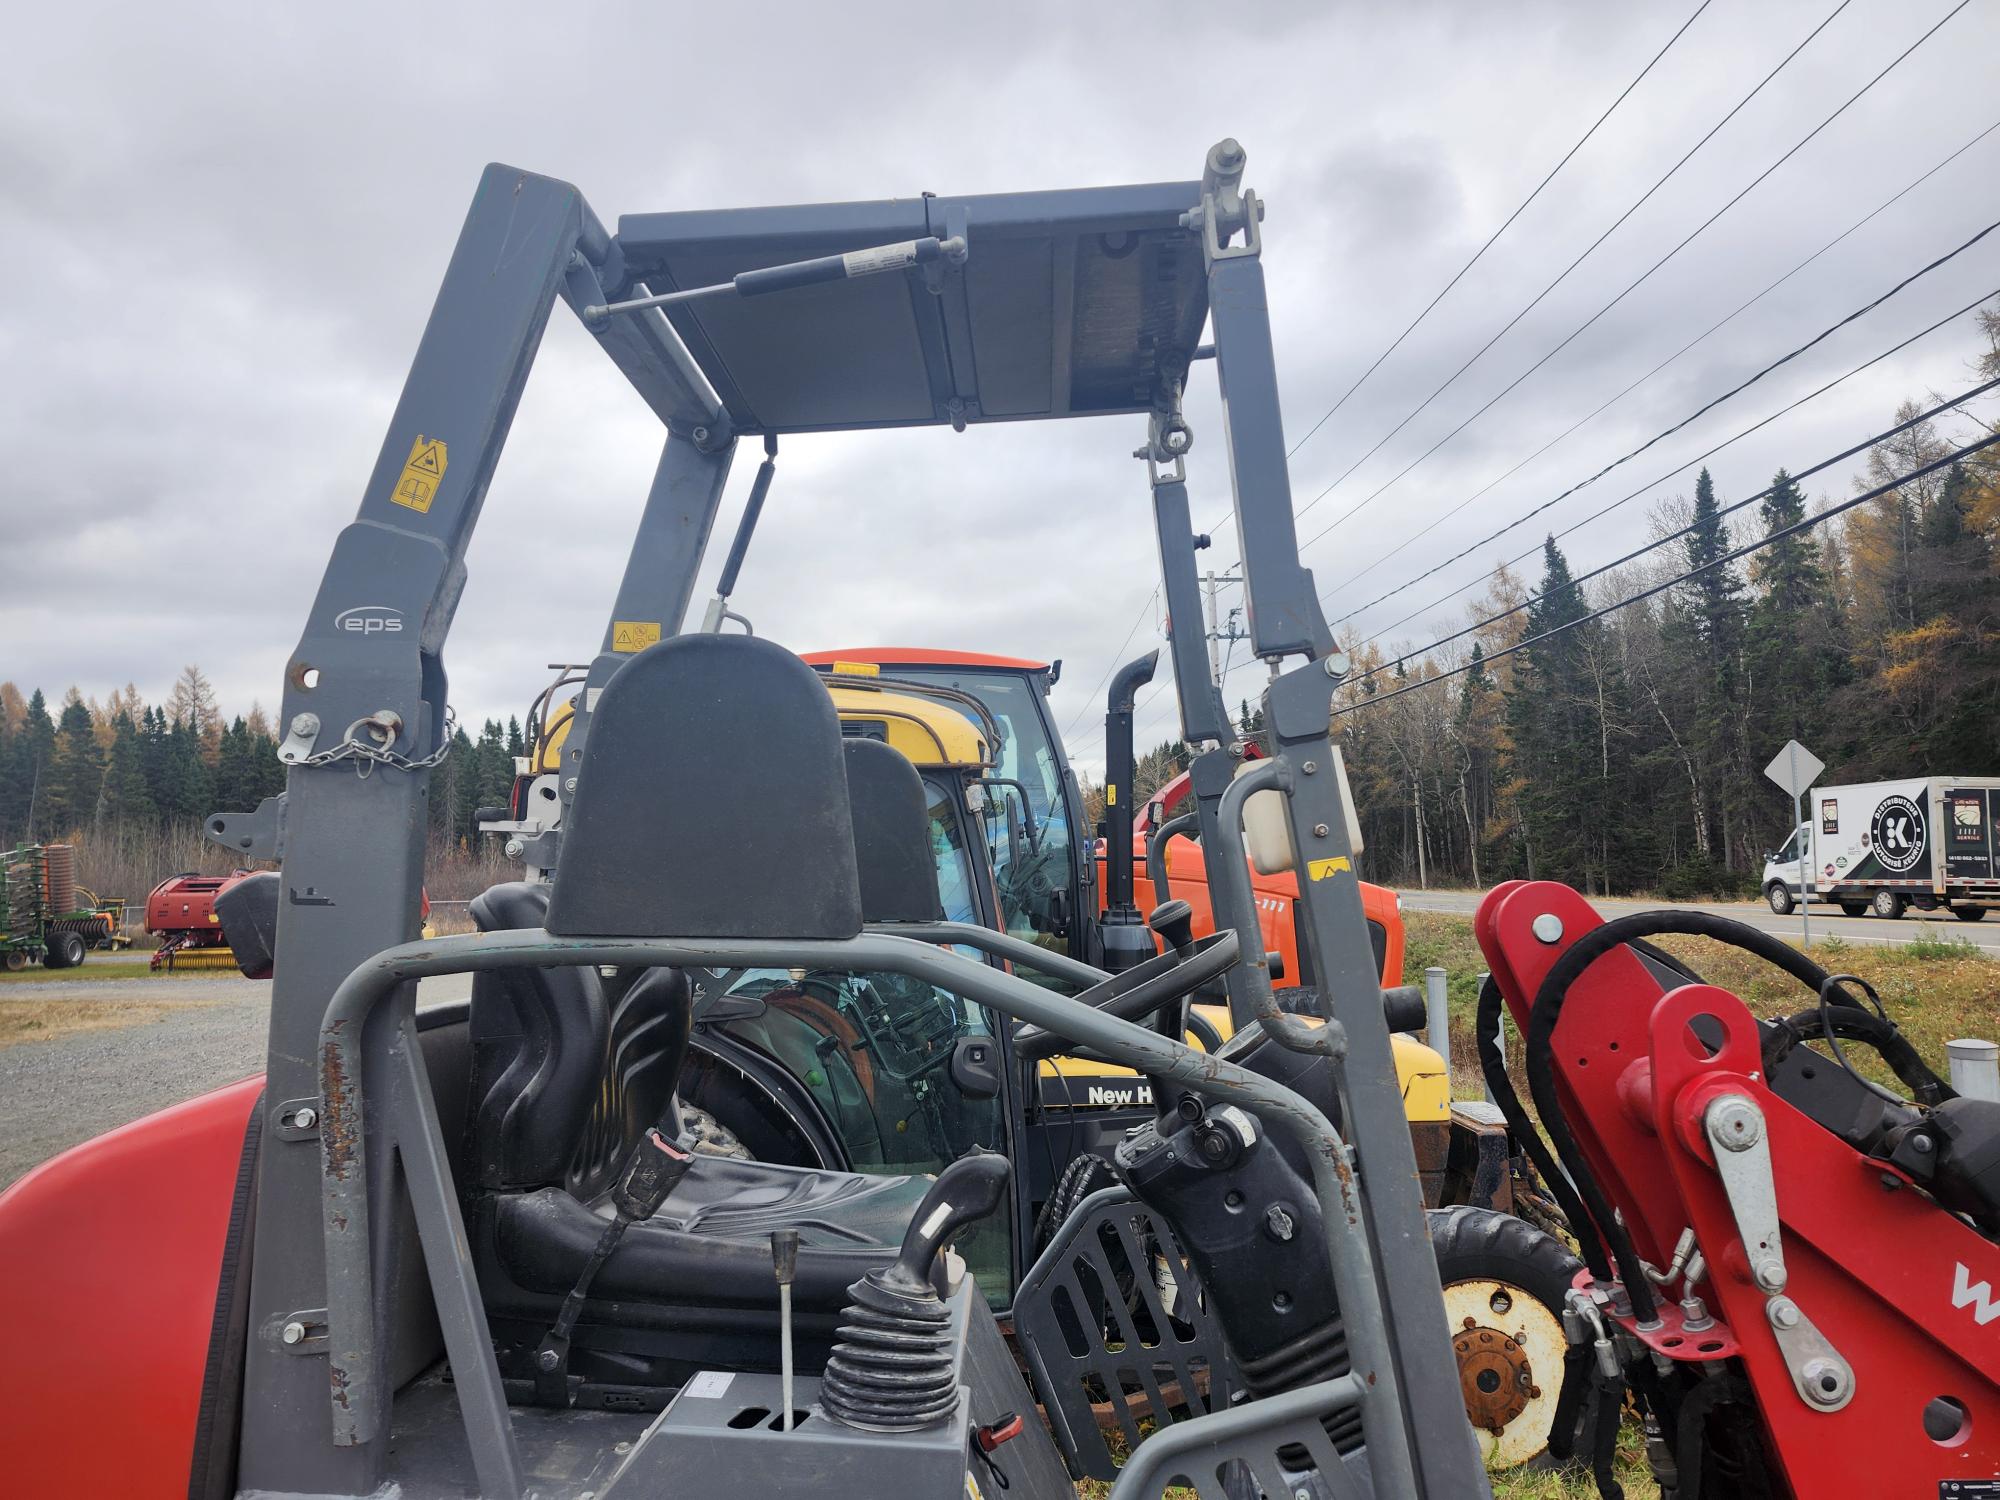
(221, 230)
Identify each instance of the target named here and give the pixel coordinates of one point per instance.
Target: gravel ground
(56, 1093)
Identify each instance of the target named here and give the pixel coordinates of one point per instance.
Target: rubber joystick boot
(893, 1368)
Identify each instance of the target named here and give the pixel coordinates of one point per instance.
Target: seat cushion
(710, 1244)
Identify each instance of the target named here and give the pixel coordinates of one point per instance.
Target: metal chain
(384, 726)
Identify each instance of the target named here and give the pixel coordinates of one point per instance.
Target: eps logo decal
(369, 619)
(1898, 833)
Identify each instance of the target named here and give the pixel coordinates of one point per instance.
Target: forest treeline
(130, 782)
(1618, 754)
(1627, 753)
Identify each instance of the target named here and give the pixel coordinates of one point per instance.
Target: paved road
(1986, 934)
(56, 1093)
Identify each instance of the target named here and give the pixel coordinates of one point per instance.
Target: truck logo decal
(1977, 1295)
(369, 619)
(1899, 833)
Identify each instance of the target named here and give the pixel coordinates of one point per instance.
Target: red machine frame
(1905, 1291)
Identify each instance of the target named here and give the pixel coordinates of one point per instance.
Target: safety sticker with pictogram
(423, 472)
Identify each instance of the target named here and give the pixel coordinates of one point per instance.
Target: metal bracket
(259, 834)
(1735, 1129)
(300, 737)
(297, 1119)
(1168, 438)
(302, 1332)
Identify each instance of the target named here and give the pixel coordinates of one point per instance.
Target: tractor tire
(14, 960)
(1504, 1284)
(1887, 905)
(1969, 913)
(65, 950)
(1780, 897)
(1855, 908)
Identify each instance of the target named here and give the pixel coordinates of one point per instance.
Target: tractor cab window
(875, 1051)
(1025, 811)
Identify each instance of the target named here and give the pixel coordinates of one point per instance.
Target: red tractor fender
(110, 1260)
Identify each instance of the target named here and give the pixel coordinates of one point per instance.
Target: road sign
(1796, 768)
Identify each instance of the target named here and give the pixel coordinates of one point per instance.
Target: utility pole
(1218, 632)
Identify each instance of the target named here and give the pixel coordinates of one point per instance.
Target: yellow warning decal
(634, 635)
(1110, 794)
(423, 472)
(1319, 869)
(857, 668)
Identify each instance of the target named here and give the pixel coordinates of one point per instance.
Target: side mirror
(975, 1066)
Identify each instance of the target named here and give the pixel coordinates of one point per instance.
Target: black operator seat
(713, 802)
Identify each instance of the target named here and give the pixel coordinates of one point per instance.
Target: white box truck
(1928, 842)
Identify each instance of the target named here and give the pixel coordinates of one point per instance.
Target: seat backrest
(711, 801)
(892, 835)
(564, 1081)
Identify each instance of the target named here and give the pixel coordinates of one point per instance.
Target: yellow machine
(947, 746)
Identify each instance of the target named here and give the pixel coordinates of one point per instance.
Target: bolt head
(1547, 927)
(1735, 1124)
(1770, 1275)
(1320, 830)
(293, 1332)
(1310, 767)
(569, 785)
(514, 848)
(1336, 665)
(701, 434)
(306, 1118)
(1785, 1313)
(548, 1359)
(303, 724)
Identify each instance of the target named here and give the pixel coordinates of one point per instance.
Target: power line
(1490, 240)
(1659, 588)
(1727, 510)
(1670, 359)
(1657, 437)
(1588, 250)
(1727, 442)
(1481, 251)
(1116, 657)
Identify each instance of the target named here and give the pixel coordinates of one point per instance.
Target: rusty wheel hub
(1495, 1376)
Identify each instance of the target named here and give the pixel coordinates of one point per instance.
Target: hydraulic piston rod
(853, 263)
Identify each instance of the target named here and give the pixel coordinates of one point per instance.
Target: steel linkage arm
(364, 719)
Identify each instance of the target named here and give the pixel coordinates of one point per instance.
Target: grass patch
(1936, 988)
(45, 1020)
(99, 969)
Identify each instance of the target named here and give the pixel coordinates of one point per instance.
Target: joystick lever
(964, 1193)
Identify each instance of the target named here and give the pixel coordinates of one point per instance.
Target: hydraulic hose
(1493, 1064)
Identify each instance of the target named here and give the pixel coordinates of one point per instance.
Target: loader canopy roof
(1063, 309)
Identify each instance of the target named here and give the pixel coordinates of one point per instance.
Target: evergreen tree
(34, 752)
(75, 769)
(1705, 629)
(189, 794)
(1564, 710)
(124, 799)
(1791, 669)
